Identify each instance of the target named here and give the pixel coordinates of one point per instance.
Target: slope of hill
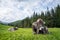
(26, 34)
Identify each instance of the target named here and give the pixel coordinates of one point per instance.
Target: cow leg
(34, 30)
(37, 31)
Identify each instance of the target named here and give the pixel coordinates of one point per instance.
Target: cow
(13, 29)
(43, 30)
(39, 27)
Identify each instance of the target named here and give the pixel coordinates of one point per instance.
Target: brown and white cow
(39, 26)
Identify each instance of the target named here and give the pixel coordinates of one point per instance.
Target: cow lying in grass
(39, 27)
(13, 29)
(43, 30)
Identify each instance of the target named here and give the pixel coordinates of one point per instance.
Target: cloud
(12, 10)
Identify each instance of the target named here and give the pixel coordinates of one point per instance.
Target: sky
(13, 10)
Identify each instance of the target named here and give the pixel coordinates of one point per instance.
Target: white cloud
(12, 10)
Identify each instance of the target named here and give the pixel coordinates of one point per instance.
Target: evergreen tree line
(51, 18)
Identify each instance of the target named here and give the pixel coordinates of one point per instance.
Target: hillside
(26, 34)
(50, 17)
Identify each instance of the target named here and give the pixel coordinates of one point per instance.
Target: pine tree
(42, 15)
(57, 16)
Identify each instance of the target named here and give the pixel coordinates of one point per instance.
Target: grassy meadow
(27, 34)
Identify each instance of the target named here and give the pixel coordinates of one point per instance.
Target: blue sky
(12, 10)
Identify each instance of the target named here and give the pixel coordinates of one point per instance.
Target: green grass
(27, 34)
